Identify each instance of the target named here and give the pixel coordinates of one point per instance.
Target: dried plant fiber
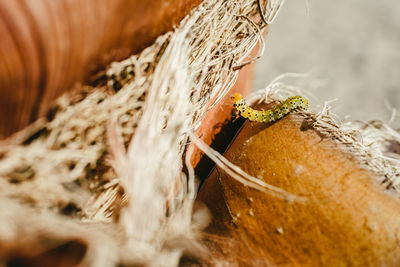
(103, 165)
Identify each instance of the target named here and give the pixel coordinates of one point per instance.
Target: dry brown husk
(103, 165)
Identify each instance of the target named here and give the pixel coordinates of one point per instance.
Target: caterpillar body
(270, 115)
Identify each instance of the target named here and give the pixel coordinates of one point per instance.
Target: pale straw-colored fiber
(110, 158)
(106, 166)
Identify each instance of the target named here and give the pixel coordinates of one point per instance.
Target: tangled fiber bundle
(105, 166)
(111, 157)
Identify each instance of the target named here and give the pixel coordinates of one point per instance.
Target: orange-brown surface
(347, 220)
(48, 46)
(56, 253)
(222, 112)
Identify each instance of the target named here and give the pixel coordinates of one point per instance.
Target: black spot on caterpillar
(269, 115)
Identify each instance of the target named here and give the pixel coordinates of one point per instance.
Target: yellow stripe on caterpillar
(270, 115)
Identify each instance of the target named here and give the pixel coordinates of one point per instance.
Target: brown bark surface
(348, 219)
(48, 46)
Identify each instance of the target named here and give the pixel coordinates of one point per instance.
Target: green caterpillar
(269, 115)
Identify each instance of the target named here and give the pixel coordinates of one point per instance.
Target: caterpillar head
(236, 97)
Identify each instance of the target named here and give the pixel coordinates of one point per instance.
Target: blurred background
(350, 49)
